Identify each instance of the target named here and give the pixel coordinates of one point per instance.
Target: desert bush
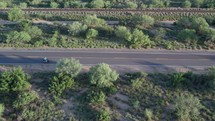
(25, 98)
(187, 107)
(104, 115)
(60, 83)
(68, 66)
(148, 114)
(14, 80)
(96, 97)
(102, 75)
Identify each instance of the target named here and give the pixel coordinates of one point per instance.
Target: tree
(91, 33)
(18, 37)
(123, 33)
(139, 39)
(102, 75)
(144, 20)
(14, 80)
(68, 66)
(2, 108)
(25, 98)
(188, 35)
(93, 21)
(97, 4)
(15, 14)
(60, 83)
(186, 4)
(76, 28)
(131, 5)
(187, 107)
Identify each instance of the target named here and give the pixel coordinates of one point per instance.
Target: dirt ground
(120, 69)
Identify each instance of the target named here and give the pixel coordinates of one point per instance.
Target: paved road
(119, 57)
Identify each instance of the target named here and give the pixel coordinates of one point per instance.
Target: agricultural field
(108, 3)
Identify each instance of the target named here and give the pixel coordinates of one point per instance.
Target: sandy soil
(31, 68)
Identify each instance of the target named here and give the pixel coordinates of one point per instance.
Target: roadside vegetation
(101, 94)
(91, 31)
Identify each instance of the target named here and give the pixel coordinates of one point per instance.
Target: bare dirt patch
(119, 101)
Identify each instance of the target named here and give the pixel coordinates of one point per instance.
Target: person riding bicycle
(45, 59)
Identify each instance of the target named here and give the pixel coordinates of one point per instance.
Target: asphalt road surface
(113, 57)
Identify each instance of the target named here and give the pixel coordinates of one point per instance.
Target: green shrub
(187, 107)
(76, 28)
(3, 4)
(68, 66)
(54, 5)
(15, 14)
(102, 75)
(60, 83)
(2, 108)
(42, 110)
(176, 79)
(91, 33)
(96, 97)
(14, 80)
(25, 98)
(135, 103)
(104, 115)
(148, 114)
(137, 83)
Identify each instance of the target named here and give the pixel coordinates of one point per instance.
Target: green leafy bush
(176, 79)
(188, 35)
(2, 108)
(91, 33)
(96, 97)
(25, 98)
(76, 28)
(18, 37)
(60, 83)
(42, 110)
(148, 114)
(68, 66)
(14, 80)
(104, 115)
(15, 14)
(187, 107)
(102, 75)
(123, 33)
